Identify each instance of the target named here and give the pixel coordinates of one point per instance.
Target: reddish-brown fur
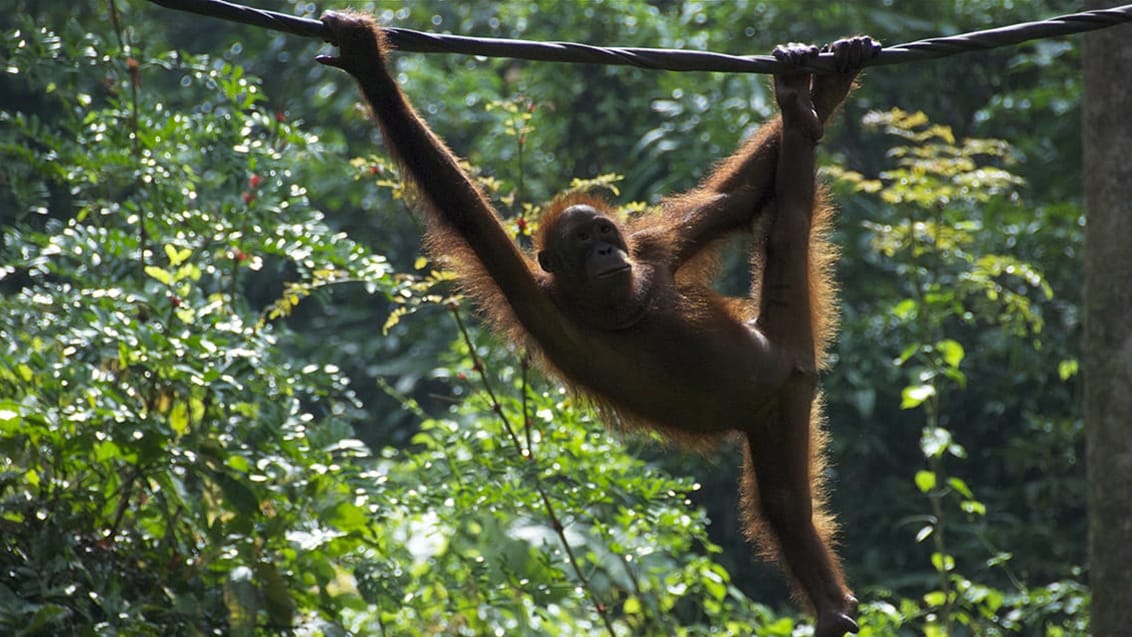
(625, 312)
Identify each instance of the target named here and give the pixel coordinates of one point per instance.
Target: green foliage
(188, 347)
(528, 524)
(943, 245)
(164, 459)
(169, 467)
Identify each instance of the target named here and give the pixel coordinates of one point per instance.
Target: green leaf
(239, 463)
(935, 441)
(177, 257)
(188, 271)
(348, 517)
(783, 626)
(106, 450)
(907, 354)
(914, 395)
(961, 486)
(935, 599)
(160, 274)
(925, 481)
(942, 562)
(179, 417)
(974, 507)
(1000, 558)
(951, 351)
(239, 495)
(905, 309)
(9, 413)
(714, 584)
(925, 532)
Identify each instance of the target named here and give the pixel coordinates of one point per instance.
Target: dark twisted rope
(667, 59)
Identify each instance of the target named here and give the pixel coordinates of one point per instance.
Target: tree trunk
(1107, 129)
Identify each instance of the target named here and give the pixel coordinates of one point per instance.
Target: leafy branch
(527, 454)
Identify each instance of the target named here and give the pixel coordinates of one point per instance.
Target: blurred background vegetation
(234, 398)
